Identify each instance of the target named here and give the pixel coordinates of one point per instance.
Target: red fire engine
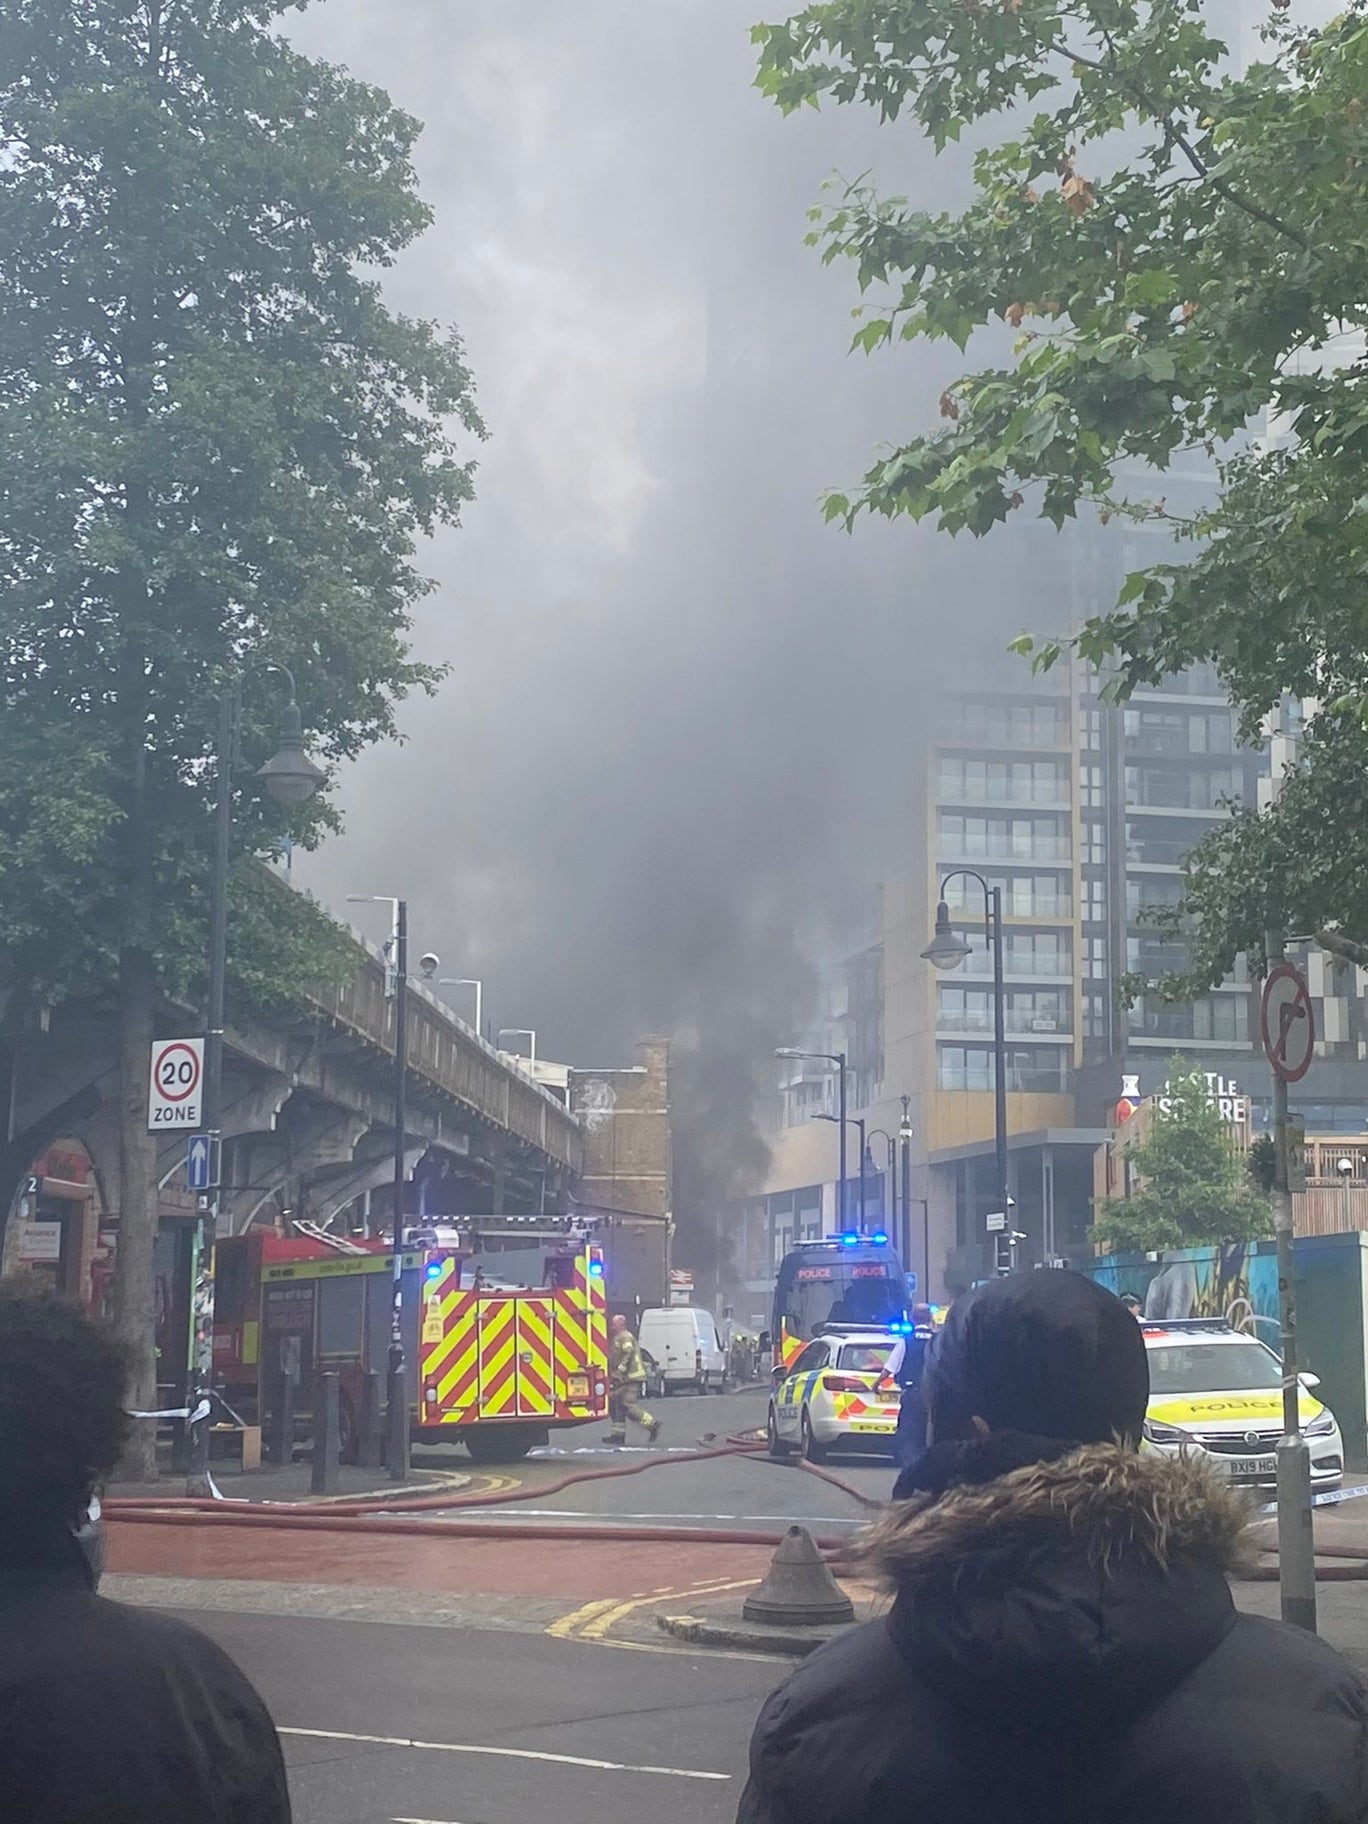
(504, 1321)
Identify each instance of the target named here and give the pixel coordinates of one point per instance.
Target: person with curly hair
(108, 1714)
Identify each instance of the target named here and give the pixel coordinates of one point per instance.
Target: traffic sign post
(175, 1092)
(202, 1163)
(1287, 1022)
(1289, 1038)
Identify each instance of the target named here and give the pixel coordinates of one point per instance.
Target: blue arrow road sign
(201, 1164)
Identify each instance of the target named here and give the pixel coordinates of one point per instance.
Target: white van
(687, 1349)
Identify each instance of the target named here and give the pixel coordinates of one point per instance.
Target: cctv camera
(429, 965)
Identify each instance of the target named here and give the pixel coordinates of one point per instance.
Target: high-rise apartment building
(1081, 812)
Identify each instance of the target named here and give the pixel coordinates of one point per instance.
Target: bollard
(397, 1427)
(370, 1438)
(281, 1427)
(327, 1435)
(798, 1590)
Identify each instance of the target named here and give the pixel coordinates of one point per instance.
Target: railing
(443, 1050)
(1036, 849)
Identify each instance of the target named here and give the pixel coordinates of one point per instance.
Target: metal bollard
(397, 1426)
(371, 1432)
(280, 1432)
(327, 1435)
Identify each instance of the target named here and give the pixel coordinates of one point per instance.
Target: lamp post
(396, 989)
(1345, 1168)
(522, 1032)
(890, 1221)
(465, 981)
(947, 950)
(905, 1137)
(838, 1058)
(857, 1122)
(289, 778)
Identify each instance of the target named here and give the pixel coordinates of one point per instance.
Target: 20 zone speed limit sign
(177, 1084)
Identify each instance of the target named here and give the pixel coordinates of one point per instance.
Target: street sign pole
(1296, 1540)
(199, 1381)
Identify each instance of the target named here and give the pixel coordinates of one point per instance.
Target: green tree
(1195, 1189)
(218, 448)
(1178, 252)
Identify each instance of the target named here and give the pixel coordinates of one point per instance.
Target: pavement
(441, 1668)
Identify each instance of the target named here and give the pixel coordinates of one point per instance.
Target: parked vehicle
(655, 1379)
(684, 1341)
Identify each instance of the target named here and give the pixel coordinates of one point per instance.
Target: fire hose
(388, 1516)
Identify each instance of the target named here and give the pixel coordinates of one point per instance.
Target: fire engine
(504, 1325)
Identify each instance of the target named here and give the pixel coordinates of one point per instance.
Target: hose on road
(387, 1517)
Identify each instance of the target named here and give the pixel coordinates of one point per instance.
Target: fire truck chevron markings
(509, 1754)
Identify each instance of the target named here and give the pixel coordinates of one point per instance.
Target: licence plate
(1253, 1466)
(577, 1387)
(870, 1425)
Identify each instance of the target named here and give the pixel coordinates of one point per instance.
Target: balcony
(952, 849)
(1025, 964)
(1020, 1025)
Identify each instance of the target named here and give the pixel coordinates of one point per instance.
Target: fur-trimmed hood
(1092, 1582)
(1103, 1501)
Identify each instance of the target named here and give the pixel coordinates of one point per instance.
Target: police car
(1217, 1392)
(836, 1392)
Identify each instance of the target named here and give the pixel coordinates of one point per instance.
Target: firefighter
(626, 1384)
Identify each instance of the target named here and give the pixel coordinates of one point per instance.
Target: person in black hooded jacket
(1062, 1644)
(108, 1715)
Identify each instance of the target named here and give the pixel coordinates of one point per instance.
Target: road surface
(431, 1679)
(516, 1727)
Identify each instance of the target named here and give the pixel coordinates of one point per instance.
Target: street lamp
(857, 1122)
(396, 989)
(289, 778)
(891, 1170)
(465, 981)
(1345, 1168)
(521, 1032)
(905, 1136)
(947, 950)
(838, 1058)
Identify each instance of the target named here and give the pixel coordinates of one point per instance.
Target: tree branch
(1340, 945)
(1177, 141)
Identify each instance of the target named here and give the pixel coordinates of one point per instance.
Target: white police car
(1217, 1392)
(836, 1392)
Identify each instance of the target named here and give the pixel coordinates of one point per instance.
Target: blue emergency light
(850, 1239)
(880, 1240)
(434, 1269)
(596, 1269)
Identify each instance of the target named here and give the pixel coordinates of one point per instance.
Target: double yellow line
(596, 1620)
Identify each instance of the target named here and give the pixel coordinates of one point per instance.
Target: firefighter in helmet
(626, 1384)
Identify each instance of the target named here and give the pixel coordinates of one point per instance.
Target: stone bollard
(798, 1590)
(397, 1426)
(327, 1435)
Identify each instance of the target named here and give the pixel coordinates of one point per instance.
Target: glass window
(814, 1356)
(340, 1307)
(1212, 1367)
(864, 1358)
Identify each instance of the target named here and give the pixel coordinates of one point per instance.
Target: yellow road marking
(594, 1619)
(565, 1627)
